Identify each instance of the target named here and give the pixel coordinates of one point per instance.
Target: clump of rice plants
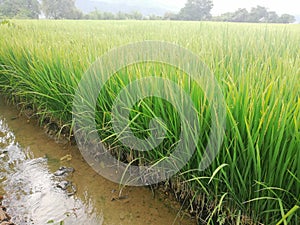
(256, 175)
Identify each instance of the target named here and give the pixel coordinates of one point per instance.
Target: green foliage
(196, 10)
(99, 15)
(256, 174)
(258, 14)
(286, 18)
(26, 9)
(171, 16)
(61, 9)
(6, 22)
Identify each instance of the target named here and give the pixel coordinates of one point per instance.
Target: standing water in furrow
(44, 182)
(31, 192)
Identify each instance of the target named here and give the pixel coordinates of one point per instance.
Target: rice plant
(256, 175)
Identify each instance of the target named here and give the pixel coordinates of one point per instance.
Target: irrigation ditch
(45, 180)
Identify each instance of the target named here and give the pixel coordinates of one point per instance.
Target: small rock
(68, 187)
(63, 185)
(3, 215)
(122, 217)
(7, 223)
(63, 170)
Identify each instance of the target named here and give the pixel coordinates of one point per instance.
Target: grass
(256, 174)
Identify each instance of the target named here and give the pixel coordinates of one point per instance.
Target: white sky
(221, 6)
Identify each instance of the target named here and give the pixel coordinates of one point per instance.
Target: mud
(33, 193)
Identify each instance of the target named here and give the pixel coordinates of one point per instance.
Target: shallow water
(28, 159)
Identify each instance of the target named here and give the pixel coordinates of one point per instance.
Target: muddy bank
(32, 192)
(4, 217)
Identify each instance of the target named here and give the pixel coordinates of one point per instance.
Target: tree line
(194, 10)
(257, 14)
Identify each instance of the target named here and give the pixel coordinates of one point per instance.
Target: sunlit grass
(257, 172)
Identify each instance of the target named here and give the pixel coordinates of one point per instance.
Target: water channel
(34, 195)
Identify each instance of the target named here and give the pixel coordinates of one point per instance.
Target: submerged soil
(33, 194)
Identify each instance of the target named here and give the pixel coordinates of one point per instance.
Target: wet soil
(4, 217)
(32, 192)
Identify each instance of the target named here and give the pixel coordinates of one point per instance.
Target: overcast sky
(221, 6)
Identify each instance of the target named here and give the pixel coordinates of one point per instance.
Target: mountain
(146, 7)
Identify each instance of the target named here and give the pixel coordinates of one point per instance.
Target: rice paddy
(256, 175)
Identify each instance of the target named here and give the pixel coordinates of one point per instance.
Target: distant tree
(94, 15)
(154, 17)
(286, 18)
(258, 14)
(196, 10)
(225, 17)
(241, 15)
(61, 9)
(136, 15)
(272, 17)
(170, 16)
(98, 15)
(108, 16)
(20, 9)
(121, 16)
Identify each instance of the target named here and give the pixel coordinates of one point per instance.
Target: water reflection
(30, 190)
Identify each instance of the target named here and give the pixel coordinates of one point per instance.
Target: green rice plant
(256, 175)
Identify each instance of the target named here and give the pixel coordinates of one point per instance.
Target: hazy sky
(221, 6)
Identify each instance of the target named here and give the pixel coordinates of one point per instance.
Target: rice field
(255, 178)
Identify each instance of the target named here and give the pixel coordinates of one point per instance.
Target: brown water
(28, 159)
